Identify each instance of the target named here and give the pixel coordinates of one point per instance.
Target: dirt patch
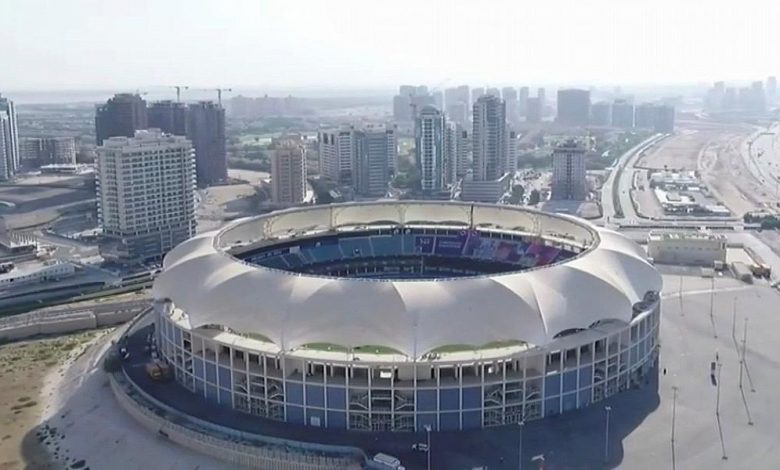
(23, 367)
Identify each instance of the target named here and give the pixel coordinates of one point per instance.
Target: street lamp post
(681, 295)
(674, 419)
(520, 448)
(717, 400)
(712, 306)
(606, 435)
(428, 450)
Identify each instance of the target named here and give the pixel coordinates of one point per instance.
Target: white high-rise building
(391, 136)
(523, 101)
(429, 147)
(568, 178)
(509, 95)
(450, 152)
(487, 182)
(146, 194)
(463, 162)
(488, 138)
(9, 140)
(345, 141)
(328, 150)
(509, 164)
(457, 150)
(376, 150)
(288, 171)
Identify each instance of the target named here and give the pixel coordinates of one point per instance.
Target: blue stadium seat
(292, 260)
(356, 247)
(323, 253)
(407, 244)
(276, 262)
(386, 245)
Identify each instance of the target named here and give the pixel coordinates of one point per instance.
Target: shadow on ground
(574, 440)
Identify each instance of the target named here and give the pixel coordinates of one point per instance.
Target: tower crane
(219, 92)
(179, 88)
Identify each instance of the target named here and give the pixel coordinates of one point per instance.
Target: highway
(762, 159)
(620, 180)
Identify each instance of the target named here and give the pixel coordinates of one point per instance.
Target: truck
(761, 270)
(158, 371)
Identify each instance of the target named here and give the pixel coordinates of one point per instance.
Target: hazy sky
(365, 43)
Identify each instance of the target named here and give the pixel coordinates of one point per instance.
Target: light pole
(606, 435)
(674, 418)
(520, 449)
(428, 450)
(742, 355)
(744, 352)
(712, 306)
(681, 295)
(717, 400)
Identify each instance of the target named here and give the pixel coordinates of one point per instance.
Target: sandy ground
(252, 177)
(24, 368)
(84, 425)
(678, 152)
(712, 149)
(221, 203)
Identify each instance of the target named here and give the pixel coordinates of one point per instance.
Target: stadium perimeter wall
(270, 458)
(25, 326)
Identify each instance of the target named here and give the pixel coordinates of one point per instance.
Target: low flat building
(32, 273)
(67, 169)
(485, 191)
(685, 180)
(687, 248)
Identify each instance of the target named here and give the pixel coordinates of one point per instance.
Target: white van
(388, 461)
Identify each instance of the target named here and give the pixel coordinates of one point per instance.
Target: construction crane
(219, 92)
(179, 88)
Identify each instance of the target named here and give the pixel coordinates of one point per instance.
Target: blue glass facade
(570, 373)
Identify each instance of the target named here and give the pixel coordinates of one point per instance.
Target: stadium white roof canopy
(413, 317)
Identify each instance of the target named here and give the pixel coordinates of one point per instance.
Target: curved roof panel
(411, 316)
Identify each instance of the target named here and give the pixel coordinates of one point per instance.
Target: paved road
(621, 172)
(69, 250)
(762, 157)
(641, 419)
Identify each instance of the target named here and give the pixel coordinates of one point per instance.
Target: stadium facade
(402, 315)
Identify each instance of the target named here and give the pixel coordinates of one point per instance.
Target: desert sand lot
(24, 368)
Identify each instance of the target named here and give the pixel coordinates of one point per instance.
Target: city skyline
(279, 45)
